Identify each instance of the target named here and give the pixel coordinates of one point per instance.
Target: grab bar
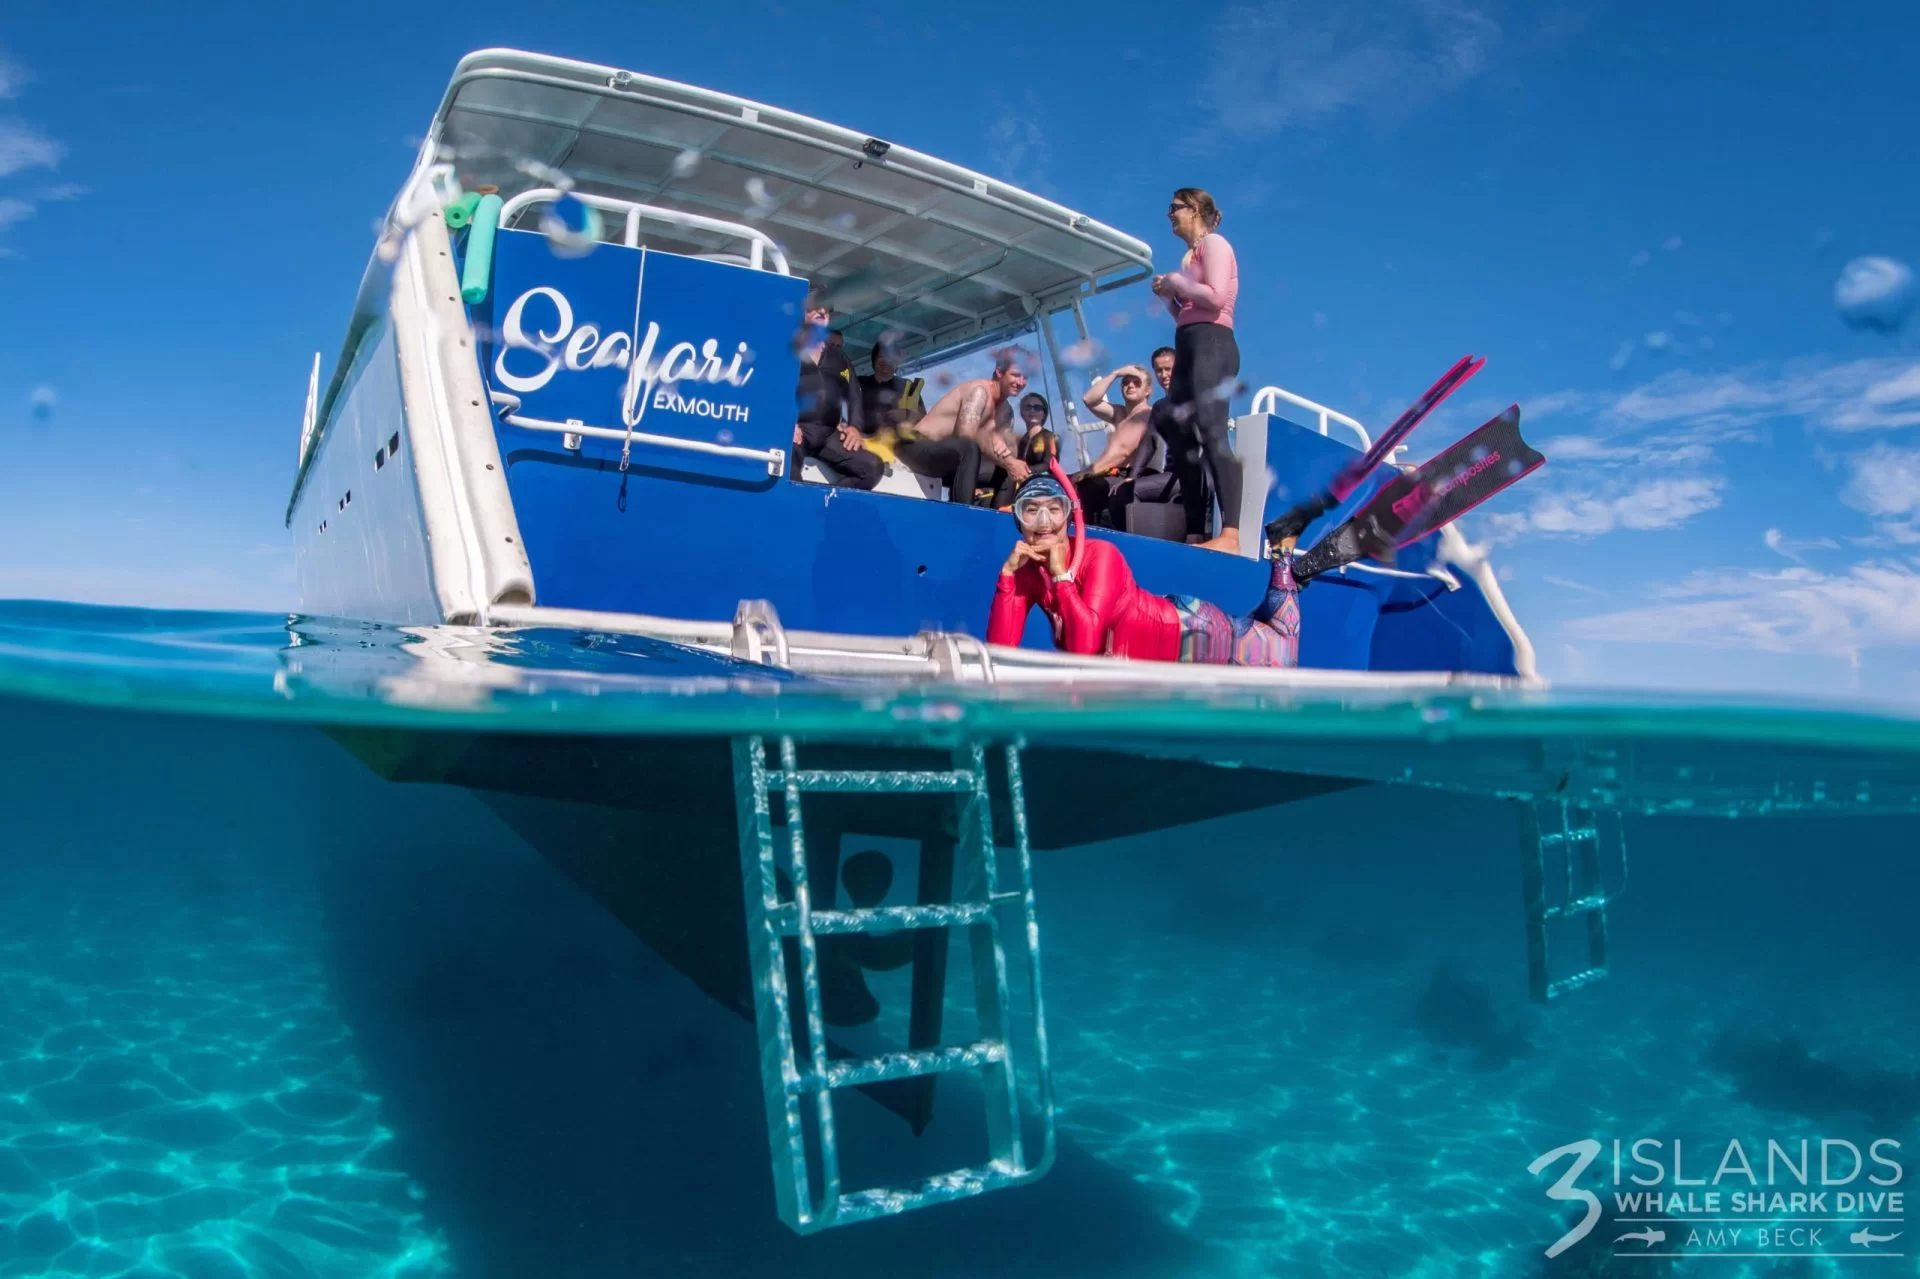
(775, 460)
(760, 244)
(1265, 399)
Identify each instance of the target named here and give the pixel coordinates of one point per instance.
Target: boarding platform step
(994, 906)
(964, 1183)
(886, 919)
(906, 1065)
(1566, 851)
(818, 781)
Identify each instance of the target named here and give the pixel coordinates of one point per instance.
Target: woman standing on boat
(1206, 366)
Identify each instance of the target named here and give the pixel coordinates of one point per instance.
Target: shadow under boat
(648, 828)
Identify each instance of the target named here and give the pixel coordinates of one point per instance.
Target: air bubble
(571, 225)
(1119, 319)
(1083, 353)
(757, 192)
(40, 403)
(1875, 293)
(685, 163)
(541, 172)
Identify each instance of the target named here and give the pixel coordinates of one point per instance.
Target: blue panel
(660, 343)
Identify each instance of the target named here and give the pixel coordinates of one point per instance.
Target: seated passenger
(1098, 607)
(1029, 445)
(889, 410)
(1105, 487)
(822, 430)
(970, 411)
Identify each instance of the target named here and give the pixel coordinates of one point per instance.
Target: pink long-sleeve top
(1209, 283)
(1105, 611)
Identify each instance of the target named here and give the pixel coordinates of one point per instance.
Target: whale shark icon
(1866, 1238)
(1648, 1236)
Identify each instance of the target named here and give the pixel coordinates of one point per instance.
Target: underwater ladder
(1566, 852)
(799, 1096)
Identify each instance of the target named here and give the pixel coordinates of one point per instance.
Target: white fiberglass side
(403, 514)
(360, 545)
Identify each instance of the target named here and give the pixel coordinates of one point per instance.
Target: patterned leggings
(1268, 636)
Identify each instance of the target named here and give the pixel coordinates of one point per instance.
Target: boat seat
(896, 479)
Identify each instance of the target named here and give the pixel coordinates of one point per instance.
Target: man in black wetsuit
(954, 460)
(822, 430)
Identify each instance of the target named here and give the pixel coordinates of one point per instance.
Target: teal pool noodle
(460, 212)
(479, 266)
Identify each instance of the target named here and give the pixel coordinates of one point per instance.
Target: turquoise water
(264, 1012)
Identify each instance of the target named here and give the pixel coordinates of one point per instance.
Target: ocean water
(264, 1012)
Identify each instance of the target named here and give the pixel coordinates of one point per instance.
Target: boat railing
(1268, 398)
(760, 246)
(506, 405)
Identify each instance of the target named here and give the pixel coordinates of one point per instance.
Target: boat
(566, 402)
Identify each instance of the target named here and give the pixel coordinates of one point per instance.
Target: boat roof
(899, 240)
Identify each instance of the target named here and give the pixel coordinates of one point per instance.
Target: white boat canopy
(897, 239)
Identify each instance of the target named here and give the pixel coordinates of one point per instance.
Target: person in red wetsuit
(1097, 608)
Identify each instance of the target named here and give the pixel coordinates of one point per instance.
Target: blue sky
(1638, 212)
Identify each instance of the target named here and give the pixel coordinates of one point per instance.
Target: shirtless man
(1105, 487)
(972, 410)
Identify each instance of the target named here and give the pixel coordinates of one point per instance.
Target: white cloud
(24, 147)
(1604, 452)
(1666, 502)
(1859, 395)
(12, 211)
(1282, 65)
(1792, 547)
(1667, 433)
(1873, 604)
(13, 77)
(1885, 484)
(1568, 583)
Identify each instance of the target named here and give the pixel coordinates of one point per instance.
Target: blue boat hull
(656, 540)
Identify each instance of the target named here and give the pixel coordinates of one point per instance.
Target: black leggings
(955, 459)
(1206, 365)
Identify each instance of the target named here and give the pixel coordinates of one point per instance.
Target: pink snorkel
(1079, 520)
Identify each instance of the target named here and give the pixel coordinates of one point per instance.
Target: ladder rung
(881, 919)
(864, 1205)
(1575, 982)
(909, 1065)
(877, 781)
(1579, 906)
